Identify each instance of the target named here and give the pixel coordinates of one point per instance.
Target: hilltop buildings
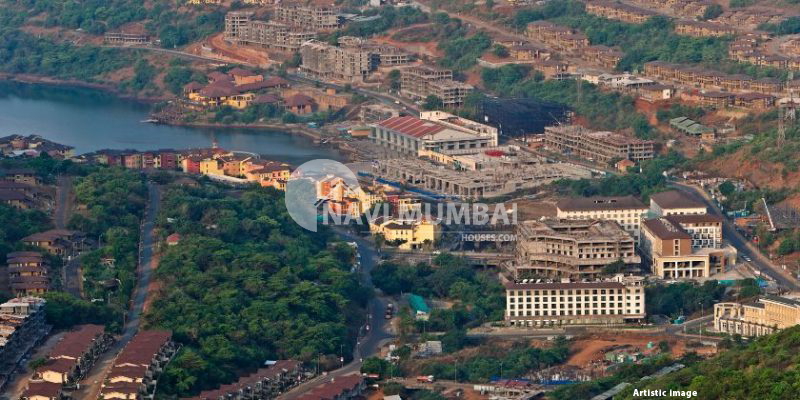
(540, 303)
(577, 249)
(318, 18)
(325, 61)
(419, 82)
(762, 317)
(602, 147)
(240, 28)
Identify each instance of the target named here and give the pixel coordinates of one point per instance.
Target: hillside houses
(620, 11)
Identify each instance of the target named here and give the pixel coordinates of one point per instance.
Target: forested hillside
(246, 284)
(765, 369)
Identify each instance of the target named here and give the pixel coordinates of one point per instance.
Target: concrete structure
(579, 249)
(674, 202)
(126, 38)
(762, 317)
(28, 273)
(602, 147)
(486, 174)
(22, 327)
(324, 61)
(627, 211)
(420, 82)
(536, 303)
(434, 131)
(317, 18)
(620, 11)
(240, 28)
(266, 383)
(690, 252)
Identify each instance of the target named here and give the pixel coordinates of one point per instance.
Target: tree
(500, 51)
(433, 102)
(663, 346)
(615, 267)
(712, 11)
(489, 4)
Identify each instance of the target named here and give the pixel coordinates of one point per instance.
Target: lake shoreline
(75, 83)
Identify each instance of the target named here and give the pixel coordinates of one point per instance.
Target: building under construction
(240, 28)
(520, 117)
(602, 147)
(422, 81)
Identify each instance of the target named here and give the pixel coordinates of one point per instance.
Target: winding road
(369, 343)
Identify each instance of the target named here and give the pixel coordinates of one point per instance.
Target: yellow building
(763, 317)
(211, 166)
(411, 234)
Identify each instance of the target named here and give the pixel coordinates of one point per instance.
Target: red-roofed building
(134, 373)
(72, 357)
(173, 239)
(411, 135)
(266, 383)
(42, 391)
(300, 104)
(341, 388)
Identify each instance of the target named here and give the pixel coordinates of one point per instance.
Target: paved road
(729, 232)
(70, 274)
(90, 386)
(369, 343)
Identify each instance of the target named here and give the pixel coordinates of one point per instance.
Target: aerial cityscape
(399, 199)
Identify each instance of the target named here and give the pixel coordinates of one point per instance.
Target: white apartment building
(674, 202)
(627, 211)
(409, 135)
(532, 303)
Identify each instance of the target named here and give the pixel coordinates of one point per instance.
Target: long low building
(72, 357)
(444, 135)
(533, 303)
(266, 383)
(762, 317)
(136, 369)
(603, 147)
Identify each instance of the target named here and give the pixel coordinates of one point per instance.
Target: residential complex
(579, 249)
(627, 211)
(620, 11)
(59, 242)
(266, 383)
(703, 29)
(422, 81)
(602, 147)
(22, 327)
(537, 303)
(325, 61)
(240, 28)
(317, 18)
(762, 317)
(135, 371)
(74, 355)
(28, 273)
(710, 83)
(341, 388)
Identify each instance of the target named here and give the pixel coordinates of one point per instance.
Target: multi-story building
(558, 37)
(410, 135)
(28, 273)
(602, 147)
(317, 18)
(619, 11)
(762, 317)
(703, 29)
(74, 355)
(135, 371)
(570, 248)
(673, 202)
(533, 303)
(408, 234)
(126, 38)
(60, 242)
(22, 327)
(627, 211)
(240, 28)
(421, 81)
(676, 253)
(325, 61)
(266, 383)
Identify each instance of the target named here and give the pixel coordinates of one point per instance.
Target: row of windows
(535, 313)
(561, 299)
(569, 292)
(570, 305)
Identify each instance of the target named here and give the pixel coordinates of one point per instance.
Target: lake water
(92, 120)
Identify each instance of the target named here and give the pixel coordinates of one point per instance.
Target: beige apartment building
(596, 146)
(619, 11)
(324, 61)
(578, 249)
(240, 28)
(627, 211)
(675, 253)
(765, 316)
(531, 303)
(317, 18)
(419, 82)
(674, 202)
